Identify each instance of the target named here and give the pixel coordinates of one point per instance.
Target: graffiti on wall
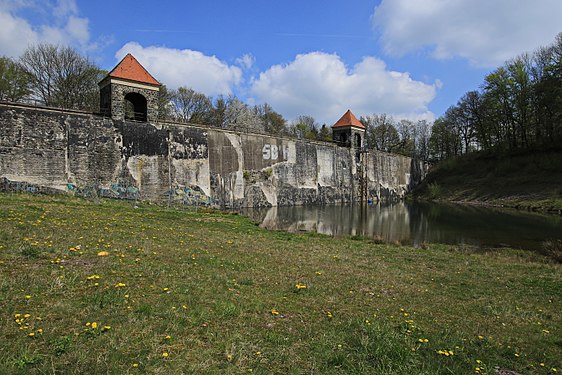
(117, 191)
(9, 186)
(190, 196)
(274, 152)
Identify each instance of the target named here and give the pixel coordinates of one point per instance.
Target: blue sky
(407, 58)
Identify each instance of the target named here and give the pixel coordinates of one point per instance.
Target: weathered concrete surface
(91, 155)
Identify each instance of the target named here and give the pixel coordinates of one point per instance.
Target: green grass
(531, 180)
(218, 295)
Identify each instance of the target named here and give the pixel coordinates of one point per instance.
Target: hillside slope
(524, 180)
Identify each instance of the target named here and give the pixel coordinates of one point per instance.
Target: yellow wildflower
(165, 355)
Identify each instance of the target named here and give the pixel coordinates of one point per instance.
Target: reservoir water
(416, 223)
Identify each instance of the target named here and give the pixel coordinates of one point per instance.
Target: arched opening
(135, 107)
(357, 140)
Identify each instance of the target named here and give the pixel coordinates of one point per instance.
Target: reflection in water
(417, 223)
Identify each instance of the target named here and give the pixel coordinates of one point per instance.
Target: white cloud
(65, 8)
(174, 68)
(320, 85)
(60, 25)
(486, 33)
(78, 29)
(246, 61)
(16, 35)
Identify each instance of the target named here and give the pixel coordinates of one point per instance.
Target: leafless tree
(61, 77)
(191, 106)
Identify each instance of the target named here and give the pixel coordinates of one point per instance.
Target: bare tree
(61, 77)
(241, 117)
(191, 106)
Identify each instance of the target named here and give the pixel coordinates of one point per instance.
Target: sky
(410, 59)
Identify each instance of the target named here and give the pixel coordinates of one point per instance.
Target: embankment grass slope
(530, 180)
(97, 288)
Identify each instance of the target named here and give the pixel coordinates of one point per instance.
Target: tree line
(59, 76)
(518, 107)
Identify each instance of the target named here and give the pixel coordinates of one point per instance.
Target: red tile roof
(348, 119)
(130, 69)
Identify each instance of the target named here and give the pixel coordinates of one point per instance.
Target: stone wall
(48, 150)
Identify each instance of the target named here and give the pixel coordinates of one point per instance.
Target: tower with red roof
(129, 92)
(348, 131)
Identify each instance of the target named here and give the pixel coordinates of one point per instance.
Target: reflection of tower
(129, 92)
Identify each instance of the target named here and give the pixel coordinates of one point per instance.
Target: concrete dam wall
(47, 150)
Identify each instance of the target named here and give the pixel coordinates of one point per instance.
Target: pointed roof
(130, 69)
(348, 119)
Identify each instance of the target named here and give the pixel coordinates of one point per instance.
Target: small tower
(348, 131)
(129, 92)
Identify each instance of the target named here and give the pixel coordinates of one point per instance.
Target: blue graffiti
(116, 190)
(192, 196)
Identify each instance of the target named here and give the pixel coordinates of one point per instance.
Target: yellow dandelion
(103, 254)
(274, 312)
(31, 334)
(135, 365)
(27, 297)
(165, 355)
(94, 325)
(168, 337)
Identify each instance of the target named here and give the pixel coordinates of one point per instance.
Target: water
(417, 223)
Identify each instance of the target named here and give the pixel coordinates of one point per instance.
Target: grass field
(106, 287)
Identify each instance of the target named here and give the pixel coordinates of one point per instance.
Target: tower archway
(357, 140)
(135, 107)
(129, 92)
